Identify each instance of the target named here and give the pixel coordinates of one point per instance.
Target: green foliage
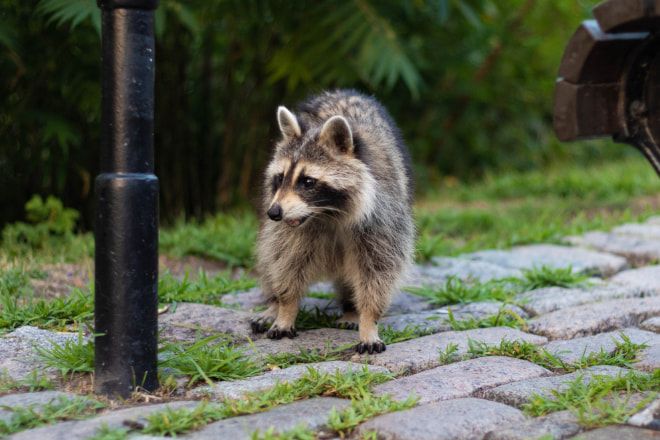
(15, 280)
(105, 433)
(545, 276)
(594, 401)
(47, 219)
(391, 336)
(32, 382)
(457, 291)
(36, 415)
(283, 360)
(224, 237)
(203, 290)
(312, 318)
(347, 419)
(75, 356)
(49, 314)
(467, 109)
(300, 432)
(50, 230)
(622, 356)
(173, 422)
(210, 359)
(504, 317)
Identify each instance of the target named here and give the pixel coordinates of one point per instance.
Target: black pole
(126, 260)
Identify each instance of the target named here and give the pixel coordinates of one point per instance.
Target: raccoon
(337, 204)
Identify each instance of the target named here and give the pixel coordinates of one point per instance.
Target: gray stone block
(239, 388)
(549, 299)
(539, 255)
(314, 413)
(423, 353)
(183, 322)
(25, 400)
(637, 250)
(308, 340)
(651, 324)
(463, 268)
(570, 351)
(462, 379)
(519, 393)
(591, 319)
(83, 429)
(459, 419)
(618, 432)
(558, 425)
(646, 279)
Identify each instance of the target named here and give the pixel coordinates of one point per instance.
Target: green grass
(503, 318)
(78, 408)
(623, 355)
(533, 207)
(354, 385)
(457, 291)
(545, 276)
(203, 290)
(75, 356)
(596, 402)
(210, 359)
(48, 314)
(225, 237)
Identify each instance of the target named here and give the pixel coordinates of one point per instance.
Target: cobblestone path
(470, 398)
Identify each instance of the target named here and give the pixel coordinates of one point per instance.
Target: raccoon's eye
(278, 180)
(308, 182)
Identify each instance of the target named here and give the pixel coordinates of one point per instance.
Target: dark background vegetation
(470, 83)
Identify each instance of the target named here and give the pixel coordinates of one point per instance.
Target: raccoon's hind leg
(351, 318)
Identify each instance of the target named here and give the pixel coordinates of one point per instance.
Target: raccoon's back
(378, 142)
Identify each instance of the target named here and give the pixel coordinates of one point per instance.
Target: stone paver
(651, 324)
(558, 425)
(618, 433)
(528, 257)
(17, 352)
(316, 339)
(423, 353)
(462, 379)
(570, 351)
(436, 320)
(183, 322)
(445, 267)
(646, 279)
(477, 398)
(518, 393)
(459, 419)
(637, 250)
(26, 400)
(83, 429)
(548, 299)
(237, 389)
(314, 413)
(591, 319)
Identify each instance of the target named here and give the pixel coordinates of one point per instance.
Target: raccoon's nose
(275, 213)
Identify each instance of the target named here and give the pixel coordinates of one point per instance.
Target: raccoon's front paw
(261, 324)
(369, 347)
(278, 333)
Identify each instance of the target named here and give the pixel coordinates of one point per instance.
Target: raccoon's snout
(275, 213)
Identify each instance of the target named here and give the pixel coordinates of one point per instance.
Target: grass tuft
(537, 278)
(457, 291)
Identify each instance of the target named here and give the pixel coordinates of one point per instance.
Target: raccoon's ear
(288, 123)
(337, 132)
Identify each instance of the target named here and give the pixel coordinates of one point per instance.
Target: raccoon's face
(313, 175)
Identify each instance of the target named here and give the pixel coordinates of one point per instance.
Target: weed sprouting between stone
(35, 415)
(595, 401)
